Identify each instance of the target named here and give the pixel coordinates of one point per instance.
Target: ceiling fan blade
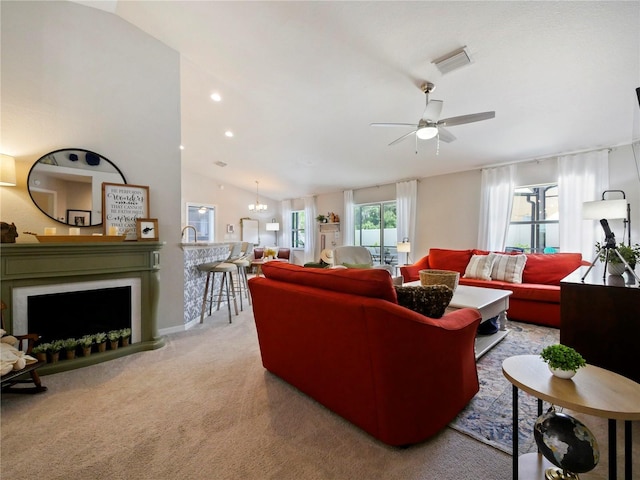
(473, 117)
(393, 125)
(398, 140)
(445, 135)
(432, 110)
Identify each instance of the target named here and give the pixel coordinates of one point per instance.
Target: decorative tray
(79, 238)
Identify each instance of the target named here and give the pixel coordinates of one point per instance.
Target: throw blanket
(10, 357)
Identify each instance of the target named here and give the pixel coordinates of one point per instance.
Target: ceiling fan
(430, 124)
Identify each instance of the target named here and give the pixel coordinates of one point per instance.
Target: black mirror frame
(92, 155)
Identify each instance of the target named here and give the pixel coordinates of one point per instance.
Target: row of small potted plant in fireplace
(50, 352)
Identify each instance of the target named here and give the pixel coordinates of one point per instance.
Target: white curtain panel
(496, 200)
(309, 230)
(285, 232)
(581, 178)
(407, 200)
(347, 219)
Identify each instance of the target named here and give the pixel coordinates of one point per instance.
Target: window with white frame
(202, 217)
(298, 225)
(375, 229)
(534, 225)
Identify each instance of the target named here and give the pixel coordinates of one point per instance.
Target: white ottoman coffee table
(490, 302)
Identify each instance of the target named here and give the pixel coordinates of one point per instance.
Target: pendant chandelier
(257, 207)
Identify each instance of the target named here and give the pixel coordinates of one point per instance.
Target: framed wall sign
(122, 205)
(147, 229)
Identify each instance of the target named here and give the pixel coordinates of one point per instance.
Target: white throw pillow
(480, 267)
(508, 268)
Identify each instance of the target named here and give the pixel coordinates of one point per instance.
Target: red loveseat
(535, 300)
(339, 336)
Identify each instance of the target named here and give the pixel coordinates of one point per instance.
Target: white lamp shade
(607, 209)
(404, 247)
(7, 171)
(273, 227)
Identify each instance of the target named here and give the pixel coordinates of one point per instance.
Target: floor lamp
(275, 228)
(404, 247)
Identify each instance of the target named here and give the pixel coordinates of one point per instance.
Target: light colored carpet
(203, 407)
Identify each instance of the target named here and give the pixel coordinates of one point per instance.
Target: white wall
(77, 77)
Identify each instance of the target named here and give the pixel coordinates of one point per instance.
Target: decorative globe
(566, 442)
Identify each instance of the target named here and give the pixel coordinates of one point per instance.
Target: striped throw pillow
(480, 267)
(508, 268)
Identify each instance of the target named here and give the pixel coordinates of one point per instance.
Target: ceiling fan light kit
(453, 60)
(425, 133)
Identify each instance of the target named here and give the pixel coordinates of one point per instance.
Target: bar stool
(243, 263)
(226, 269)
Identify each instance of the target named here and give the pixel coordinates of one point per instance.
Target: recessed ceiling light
(220, 163)
(216, 97)
(228, 133)
(181, 147)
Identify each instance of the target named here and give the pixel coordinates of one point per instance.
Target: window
(298, 225)
(375, 229)
(202, 217)
(534, 219)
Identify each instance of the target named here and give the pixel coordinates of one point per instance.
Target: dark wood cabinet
(600, 318)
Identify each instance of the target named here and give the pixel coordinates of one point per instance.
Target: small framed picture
(230, 228)
(79, 218)
(147, 229)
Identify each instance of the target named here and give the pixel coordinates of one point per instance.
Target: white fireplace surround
(22, 294)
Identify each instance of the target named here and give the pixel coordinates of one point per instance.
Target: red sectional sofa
(535, 300)
(339, 336)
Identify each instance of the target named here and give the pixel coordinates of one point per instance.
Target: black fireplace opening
(58, 316)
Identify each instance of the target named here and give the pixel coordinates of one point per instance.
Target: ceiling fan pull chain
(438, 144)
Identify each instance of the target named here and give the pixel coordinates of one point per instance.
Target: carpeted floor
(203, 407)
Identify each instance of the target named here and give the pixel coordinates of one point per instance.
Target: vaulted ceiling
(302, 81)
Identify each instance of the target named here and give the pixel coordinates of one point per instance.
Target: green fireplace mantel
(34, 264)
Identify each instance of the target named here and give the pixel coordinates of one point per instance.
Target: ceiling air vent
(454, 60)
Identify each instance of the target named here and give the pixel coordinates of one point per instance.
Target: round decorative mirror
(66, 185)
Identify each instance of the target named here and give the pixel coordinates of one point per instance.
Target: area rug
(487, 417)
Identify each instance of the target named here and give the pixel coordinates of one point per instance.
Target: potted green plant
(321, 218)
(70, 345)
(40, 351)
(53, 351)
(85, 343)
(563, 361)
(114, 339)
(100, 339)
(125, 335)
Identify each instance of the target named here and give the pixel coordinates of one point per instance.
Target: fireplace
(72, 289)
(67, 310)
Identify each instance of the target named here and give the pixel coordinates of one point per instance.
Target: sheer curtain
(407, 199)
(285, 231)
(496, 200)
(309, 230)
(581, 178)
(347, 219)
